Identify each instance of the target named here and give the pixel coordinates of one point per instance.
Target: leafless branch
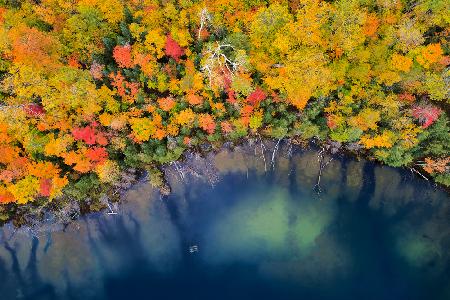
(420, 174)
(274, 152)
(216, 59)
(322, 165)
(263, 154)
(205, 18)
(178, 170)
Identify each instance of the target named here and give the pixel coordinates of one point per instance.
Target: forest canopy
(89, 88)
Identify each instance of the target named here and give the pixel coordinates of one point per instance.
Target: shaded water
(373, 233)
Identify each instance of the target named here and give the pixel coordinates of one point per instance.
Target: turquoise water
(243, 233)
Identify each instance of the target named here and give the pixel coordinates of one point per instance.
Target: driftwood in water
(275, 150)
(263, 154)
(420, 174)
(322, 164)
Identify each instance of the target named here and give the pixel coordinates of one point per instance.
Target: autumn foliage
(122, 55)
(426, 115)
(90, 89)
(172, 49)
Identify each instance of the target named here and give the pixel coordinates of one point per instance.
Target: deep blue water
(372, 233)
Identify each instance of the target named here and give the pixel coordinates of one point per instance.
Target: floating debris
(193, 249)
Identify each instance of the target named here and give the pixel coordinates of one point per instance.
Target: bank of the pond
(106, 197)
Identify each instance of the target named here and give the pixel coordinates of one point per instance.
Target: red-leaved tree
(426, 114)
(172, 49)
(256, 97)
(122, 55)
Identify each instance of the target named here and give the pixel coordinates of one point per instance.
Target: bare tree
(205, 19)
(215, 61)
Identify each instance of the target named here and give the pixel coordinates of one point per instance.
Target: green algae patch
(254, 228)
(417, 250)
(312, 218)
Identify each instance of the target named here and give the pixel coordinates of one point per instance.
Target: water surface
(238, 228)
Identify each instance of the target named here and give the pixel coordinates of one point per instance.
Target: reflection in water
(373, 231)
(90, 249)
(354, 180)
(390, 191)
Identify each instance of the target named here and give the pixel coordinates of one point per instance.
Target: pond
(240, 227)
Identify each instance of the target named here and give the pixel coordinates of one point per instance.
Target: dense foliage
(90, 88)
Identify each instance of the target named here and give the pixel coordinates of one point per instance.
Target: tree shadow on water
(28, 283)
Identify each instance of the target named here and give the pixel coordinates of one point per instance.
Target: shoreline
(67, 210)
